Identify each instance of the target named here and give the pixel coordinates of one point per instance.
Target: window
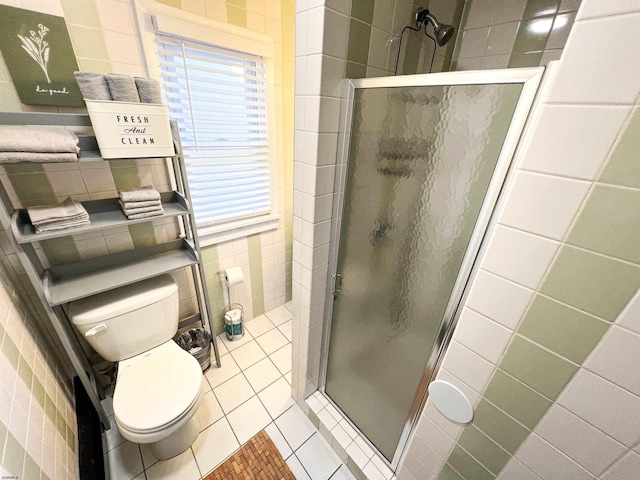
(221, 96)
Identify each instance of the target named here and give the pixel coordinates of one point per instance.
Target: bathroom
(567, 231)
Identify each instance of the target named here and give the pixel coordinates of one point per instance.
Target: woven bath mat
(258, 459)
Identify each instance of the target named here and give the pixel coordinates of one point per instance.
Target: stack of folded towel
(118, 87)
(68, 214)
(19, 143)
(141, 202)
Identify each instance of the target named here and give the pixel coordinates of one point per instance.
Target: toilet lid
(156, 389)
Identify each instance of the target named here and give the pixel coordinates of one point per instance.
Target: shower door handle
(337, 283)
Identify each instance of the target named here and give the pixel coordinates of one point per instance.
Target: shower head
(443, 32)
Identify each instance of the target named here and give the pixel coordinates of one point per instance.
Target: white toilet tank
(127, 321)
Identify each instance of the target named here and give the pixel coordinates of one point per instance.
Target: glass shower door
(420, 162)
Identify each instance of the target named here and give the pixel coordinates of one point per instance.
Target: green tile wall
(214, 286)
(257, 281)
(483, 449)
(466, 466)
(562, 329)
(516, 399)
(359, 37)
(605, 284)
(591, 280)
(25, 372)
(543, 28)
(615, 213)
(624, 165)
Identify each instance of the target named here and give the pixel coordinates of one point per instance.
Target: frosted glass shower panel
(420, 163)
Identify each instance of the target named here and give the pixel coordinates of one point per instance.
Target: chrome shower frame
(531, 79)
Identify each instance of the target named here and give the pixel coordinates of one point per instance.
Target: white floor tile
(231, 345)
(343, 473)
(248, 419)
(317, 458)
(297, 469)
(182, 467)
(125, 461)
(215, 376)
(222, 349)
(259, 325)
(233, 393)
(148, 458)
(279, 315)
(272, 341)
(288, 306)
(277, 397)
(214, 445)
(209, 411)
(282, 359)
(287, 329)
(295, 427)
(248, 354)
(278, 440)
(262, 374)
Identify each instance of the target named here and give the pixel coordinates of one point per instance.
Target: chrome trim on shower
(531, 79)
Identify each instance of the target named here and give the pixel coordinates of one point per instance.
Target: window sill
(242, 228)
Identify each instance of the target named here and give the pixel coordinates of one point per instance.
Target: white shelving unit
(59, 285)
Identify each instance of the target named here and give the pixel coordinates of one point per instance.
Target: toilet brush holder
(233, 315)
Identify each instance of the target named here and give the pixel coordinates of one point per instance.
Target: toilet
(159, 386)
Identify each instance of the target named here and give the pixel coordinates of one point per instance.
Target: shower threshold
(354, 450)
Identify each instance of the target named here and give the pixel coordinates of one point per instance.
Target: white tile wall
(499, 299)
(574, 133)
(548, 462)
(588, 133)
(599, 402)
(543, 204)
(519, 256)
(482, 335)
(589, 60)
(582, 442)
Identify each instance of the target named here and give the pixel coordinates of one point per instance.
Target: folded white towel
(144, 215)
(21, 138)
(58, 221)
(69, 209)
(34, 157)
(61, 226)
(150, 203)
(134, 211)
(142, 194)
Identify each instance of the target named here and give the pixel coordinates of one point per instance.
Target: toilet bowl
(159, 386)
(156, 397)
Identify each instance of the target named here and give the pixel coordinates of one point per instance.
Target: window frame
(154, 17)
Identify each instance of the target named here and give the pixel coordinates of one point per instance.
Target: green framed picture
(39, 56)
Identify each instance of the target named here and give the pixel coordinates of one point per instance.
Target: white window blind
(219, 99)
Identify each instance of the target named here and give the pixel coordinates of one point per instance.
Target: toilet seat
(157, 390)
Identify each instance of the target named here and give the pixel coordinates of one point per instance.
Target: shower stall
(424, 158)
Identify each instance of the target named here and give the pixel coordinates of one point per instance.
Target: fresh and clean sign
(131, 130)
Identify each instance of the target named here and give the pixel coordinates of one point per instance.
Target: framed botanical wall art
(39, 56)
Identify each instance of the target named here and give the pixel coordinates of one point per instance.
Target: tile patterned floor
(251, 392)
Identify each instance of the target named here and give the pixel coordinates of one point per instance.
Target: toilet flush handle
(94, 330)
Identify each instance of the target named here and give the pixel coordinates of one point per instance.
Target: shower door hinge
(337, 283)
